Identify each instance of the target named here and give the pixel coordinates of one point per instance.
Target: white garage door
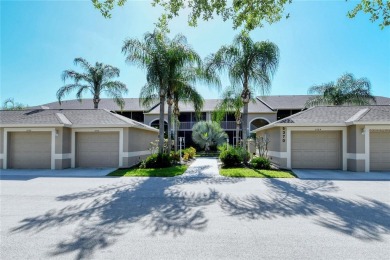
(29, 150)
(316, 150)
(379, 151)
(97, 150)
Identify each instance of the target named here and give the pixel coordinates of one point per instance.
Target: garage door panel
(97, 149)
(316, 150)
(29, 150)
(380, 151)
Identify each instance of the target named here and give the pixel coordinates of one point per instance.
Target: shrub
(175, 157)
(222, 147)
(191, 152)
(160, 160)
(261, 163)
(231, 157)
(208, 135)
(244, 154)
(186, 156)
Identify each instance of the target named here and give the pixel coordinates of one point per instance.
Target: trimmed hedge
(261, 163)
(160, 160)
(231, 157)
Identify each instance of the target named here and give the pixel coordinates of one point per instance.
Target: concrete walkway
(341, 175)
(203, 168)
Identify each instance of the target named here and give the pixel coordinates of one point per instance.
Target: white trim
(367, 142)
(136, 153)
(62, 156)
(73, 140)
(282, 155)
(322, 128)
(344, 148)
(263, 118)
(151, 121)
(1, 156)
(357, 116)
(25, 129)
(288, 147)
(356, 156)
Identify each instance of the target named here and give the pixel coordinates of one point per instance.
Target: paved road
(193, 218)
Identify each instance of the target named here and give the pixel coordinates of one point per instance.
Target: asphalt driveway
(193, 218)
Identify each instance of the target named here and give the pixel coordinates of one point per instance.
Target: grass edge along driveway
(240, 172)
(155, 172)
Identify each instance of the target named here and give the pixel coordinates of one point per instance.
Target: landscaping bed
(244, 172)
(154, 172)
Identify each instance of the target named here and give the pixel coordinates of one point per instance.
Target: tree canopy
(248, 14)
(346, 91)
(95, 80)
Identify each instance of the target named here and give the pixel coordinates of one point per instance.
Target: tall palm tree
(182, 63)
(96, 80)
(186, 94)
(151, 54)
(231, 103)
(250, 66)
(347, 90)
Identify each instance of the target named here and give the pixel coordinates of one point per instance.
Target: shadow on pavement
(159, 204)
(366, 219)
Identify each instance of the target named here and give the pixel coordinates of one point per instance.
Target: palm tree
(10, 104)
(96, 80)
(347, 90)
(208, 134)
(186, 94)
(151, 54)
(173, 67)
(231, 103)
(182, 63)
(250, 66)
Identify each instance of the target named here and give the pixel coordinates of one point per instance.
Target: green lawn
(161, 172)
(253, 173)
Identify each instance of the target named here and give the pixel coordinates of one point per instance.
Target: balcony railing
(227, 125)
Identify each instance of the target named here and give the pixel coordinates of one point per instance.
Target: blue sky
(318, 43)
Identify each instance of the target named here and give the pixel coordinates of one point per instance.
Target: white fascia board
(32, 125)
(297, 125)
(116, 126)
(372, 123)
(147, 128)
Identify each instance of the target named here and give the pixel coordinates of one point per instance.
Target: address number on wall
(283, 134)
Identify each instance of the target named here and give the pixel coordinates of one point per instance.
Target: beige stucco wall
(62, 164)
(148, 118)
(138, 139)
(1, 140)
(137, 142)
(275, 145)
(355, 139)
(355, 165)
(62, 146)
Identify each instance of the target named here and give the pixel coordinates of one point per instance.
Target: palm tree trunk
(96, 100)
(245, 125)
(237, 133)
(169, 101)
(245, 99)
(161, 124)
(176, 132)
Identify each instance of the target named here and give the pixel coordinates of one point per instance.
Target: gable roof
(297, 102)
(68, 118)
(131, 104)
(210, 105)
(335, 115)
